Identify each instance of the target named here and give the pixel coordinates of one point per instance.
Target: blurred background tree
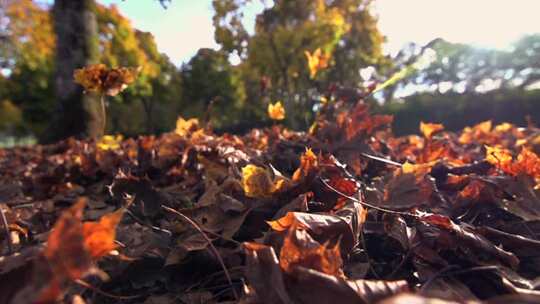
(465, 85)
(231, 87)
(272, 60)
(211, 85)
(28, 61)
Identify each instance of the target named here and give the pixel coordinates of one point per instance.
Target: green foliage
(29, 58)
(212, 86)
(273, 63)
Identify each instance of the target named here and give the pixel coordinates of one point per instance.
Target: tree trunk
(77, 114)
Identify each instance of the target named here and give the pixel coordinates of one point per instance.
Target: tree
(26, 59)
(275, 53)
(29, 59)
(466, 69)
(77, 114)
(210, 86)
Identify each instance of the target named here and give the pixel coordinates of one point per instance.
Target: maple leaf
(65, 248)
(276, 111)
(74, 246)
(316, 61)
(99, 236)
(98, 78)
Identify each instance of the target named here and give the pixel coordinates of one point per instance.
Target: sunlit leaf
(257, 182)
(428, 129)
(276, 111)
(99, 236)
(186, 127)
(98, 78)
(317, 61)
(110, 142)
(301, 250)
(308, 161)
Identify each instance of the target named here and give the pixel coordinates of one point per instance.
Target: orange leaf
(276, 111)
(99, 236)
(472, 190)
(300, 249)
(500, 158)
(65, 250)
(97, 78)
(428, 129)
(308, 162)
(528, 162)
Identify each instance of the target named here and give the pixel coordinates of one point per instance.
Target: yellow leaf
(186, 127)
(316, 61)
(499, 157)
(276, 111)
(256, 182)
(428, 129)
(110, 142)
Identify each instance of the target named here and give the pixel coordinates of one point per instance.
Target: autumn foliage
(344, 213)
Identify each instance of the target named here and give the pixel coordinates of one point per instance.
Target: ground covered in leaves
(345, 213)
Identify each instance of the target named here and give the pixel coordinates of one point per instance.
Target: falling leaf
(98, 78)
(316, 61)
(99, 236)
(65, 248)
(276, 111)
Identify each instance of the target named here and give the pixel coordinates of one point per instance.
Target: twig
(6, 230)
(367, 204)
(214, 250)
(104, 293)
(384, 160)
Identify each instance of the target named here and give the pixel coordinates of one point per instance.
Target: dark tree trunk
(148, 106)
(77, 114)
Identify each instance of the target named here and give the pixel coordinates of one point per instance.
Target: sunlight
(456, 21)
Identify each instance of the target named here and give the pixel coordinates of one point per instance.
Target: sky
(186, 25)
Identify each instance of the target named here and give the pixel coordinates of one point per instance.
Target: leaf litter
(344, 213)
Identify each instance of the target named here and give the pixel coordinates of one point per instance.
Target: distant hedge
(457, 111)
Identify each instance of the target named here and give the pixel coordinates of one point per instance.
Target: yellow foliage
(257, 182)
(276, 111)
(429, 129)
(186, 127)
(316, 61)
(499, 157)
(110, 142)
